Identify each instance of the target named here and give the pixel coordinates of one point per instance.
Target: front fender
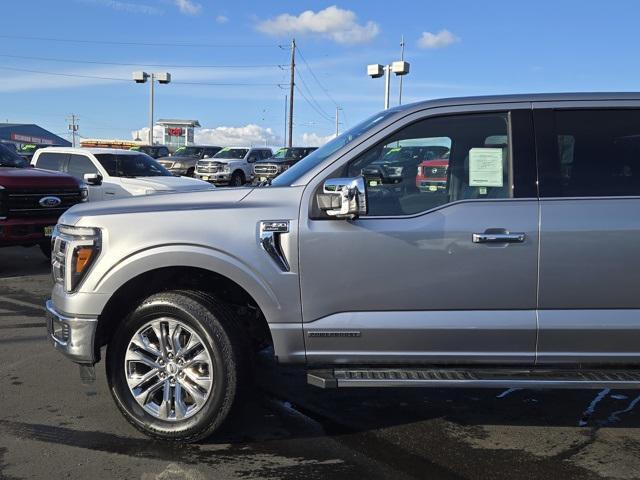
(196, 256)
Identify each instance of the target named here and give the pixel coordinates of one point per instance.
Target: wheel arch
(166, 269)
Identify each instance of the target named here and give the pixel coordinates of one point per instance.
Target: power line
(322, 87)
(160, 65)
(330, 120)
(304, 84)
(143, 44)
(119, 79)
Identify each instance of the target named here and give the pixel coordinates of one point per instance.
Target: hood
(173, 158)
(11, 177)
(211, 199)
(167, 184)
(278, 160)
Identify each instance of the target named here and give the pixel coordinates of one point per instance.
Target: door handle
(499, 237)
(109, 192)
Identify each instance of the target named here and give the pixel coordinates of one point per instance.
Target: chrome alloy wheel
(168, 369)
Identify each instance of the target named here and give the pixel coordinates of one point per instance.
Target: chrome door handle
(498, 237)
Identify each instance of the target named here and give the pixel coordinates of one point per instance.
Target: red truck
(31, 200)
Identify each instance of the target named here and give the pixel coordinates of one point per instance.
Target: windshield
(237, 153)
(318, 156)
(187, 152)
(123, 165)
(294, 153)
(9, 158)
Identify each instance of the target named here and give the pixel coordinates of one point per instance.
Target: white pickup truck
(111, 173)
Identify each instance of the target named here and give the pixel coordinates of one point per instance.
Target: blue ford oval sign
(50, 202)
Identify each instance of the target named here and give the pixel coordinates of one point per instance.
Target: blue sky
(455, 48)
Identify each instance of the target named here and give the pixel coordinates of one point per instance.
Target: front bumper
(73, 337)
(25, 231)
(215, 178)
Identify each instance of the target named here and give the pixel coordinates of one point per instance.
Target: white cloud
(128, 7)
(315, 140)
(249, 135)
(222, 19)
(442, 39)
(188, 7)
(246, 136)
(334, 23)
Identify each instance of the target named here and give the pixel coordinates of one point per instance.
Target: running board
(474, 378)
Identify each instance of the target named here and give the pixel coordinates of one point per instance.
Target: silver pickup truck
(519, 270)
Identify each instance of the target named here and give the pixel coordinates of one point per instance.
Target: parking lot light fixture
(376, 71)
(162, 78)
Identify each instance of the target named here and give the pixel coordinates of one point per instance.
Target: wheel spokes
(168, 369)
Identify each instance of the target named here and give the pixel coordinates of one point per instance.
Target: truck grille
(209, 167)
(26, 203)
(265, 169)
(434, 172)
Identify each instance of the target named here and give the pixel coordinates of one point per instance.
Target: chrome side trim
(270, 231)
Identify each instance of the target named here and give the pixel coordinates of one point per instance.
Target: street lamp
(376, 71)
(162, 78)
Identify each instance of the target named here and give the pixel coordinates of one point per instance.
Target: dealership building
(29, 134)
(178, 133)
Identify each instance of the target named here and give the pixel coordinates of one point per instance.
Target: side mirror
(344, 197)
(94, 179)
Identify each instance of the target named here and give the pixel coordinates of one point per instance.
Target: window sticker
(485, 167)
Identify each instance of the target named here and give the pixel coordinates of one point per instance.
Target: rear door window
(52, 161)
(591, 153)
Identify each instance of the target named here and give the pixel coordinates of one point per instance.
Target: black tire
(217, 327)
(190, 172)
(237, 179)
(45, 248)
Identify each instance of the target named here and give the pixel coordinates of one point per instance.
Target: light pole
(162, 78)
(376, 71)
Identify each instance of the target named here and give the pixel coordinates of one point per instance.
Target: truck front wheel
(175, 365)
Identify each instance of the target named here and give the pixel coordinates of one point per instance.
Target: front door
(443, 269)
(78, 167)
(590, 235)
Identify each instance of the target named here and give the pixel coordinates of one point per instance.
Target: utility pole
(291, 87)
(337, 121)
(285, 119)
(402, 60)
(73, 127)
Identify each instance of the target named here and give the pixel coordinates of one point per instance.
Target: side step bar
(474, 378)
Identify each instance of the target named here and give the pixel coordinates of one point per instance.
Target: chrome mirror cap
(352, 195)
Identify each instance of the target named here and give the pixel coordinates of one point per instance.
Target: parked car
(111, 173)
(522, 272)
(231, 165)
(31, 201)
(184, 160)
(268, 169)
(154, 151)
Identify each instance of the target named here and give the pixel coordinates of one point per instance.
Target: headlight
(177, 165)
(74, 250)
(84, 193)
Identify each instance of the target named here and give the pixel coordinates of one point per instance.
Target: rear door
(436, 275)
(54, 161)
(590, 234)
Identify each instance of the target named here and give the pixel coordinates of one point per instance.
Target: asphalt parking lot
(53, 427)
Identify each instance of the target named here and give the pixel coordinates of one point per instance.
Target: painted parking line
(21, 303)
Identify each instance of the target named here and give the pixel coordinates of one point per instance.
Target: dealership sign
(174, 132)
(17, 137)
